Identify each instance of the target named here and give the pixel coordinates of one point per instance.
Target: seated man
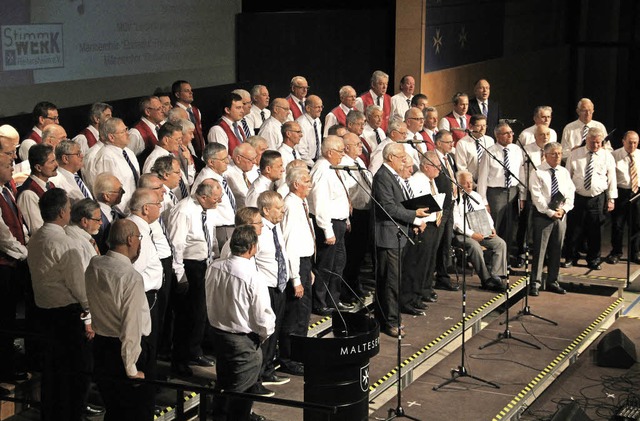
(474, 241)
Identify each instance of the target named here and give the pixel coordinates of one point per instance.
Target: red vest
(233, 140)
(198, 138)
(15, 224)
(453, 122)
(294, 106)
(30, 184)
(366, 153)
(429, 143)
(340, 115)
(150, 138)
(367, 100)
(91, 139)
(35, 137)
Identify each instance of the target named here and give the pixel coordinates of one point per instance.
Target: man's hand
(313, 278)
(330, 241)
(558, 215)
(88, 332)
(522, 202)
(477, 236)
(493, 233)
(138, 375)
(422, 212)
(186, 154)
(298, 291)
(610, 205)
(348, 227)
(488, 209)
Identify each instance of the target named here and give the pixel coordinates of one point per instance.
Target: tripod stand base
(461, 371)
(507, 335)
(526, 311)
(399, 413)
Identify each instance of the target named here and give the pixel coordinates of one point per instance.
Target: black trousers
(9, 284)
(329, 258)
(387, 289)
(297, 311)
(270, 346)
(619, 221)
(123, 400)
(357, 243)
(65, 378)
(238, 365)
(190, 314)
(504, 212)
(585, 219)
(443, 255)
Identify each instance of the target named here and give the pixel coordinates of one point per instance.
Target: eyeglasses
(96, 219)
(155, 109)
(126, 129)
(74, 154)
(158, 204)
(417, 118)
(504, 133)
(52, 118)
(248, 159)
(340, 151)
(225, 159)
(121, 191)
(139, 236)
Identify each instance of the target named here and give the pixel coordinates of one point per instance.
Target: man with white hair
(574, 134)
(541, 117)
(98, 113)
(377, 95)
(299, 89)
(260, 108)
(338, 115)
(401, 101)
(311, 127)
(271, 130)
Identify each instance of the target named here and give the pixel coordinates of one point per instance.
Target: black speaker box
(570, 412)
(616, 350)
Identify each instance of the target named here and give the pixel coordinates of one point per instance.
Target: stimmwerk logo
(26, 47)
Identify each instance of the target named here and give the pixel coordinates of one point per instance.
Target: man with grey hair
(429, 127)
(84, 223)
(397, 131)
(541, 117)
(311, 127)
(390, 192)
(355, 125)
(401, 101)
(372, 133)
(116, 158)
(296, 99)
(291, 137)
(240, 172)
(330, 207)
(260, 108)
(246, 108)
(143, 135)
(108, 192)
(271, 130)
(191, 229)
(338, 115)
(377, 95)
(69, 158)
(593, 172)
(574, 134)
(98, 113)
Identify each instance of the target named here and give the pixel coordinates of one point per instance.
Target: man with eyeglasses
(9, 142)
(44, 113)
(98, 113)
(377, 95)
(108, 192)
(414, 120)
(397, 132)
(69, 158)
(309, 146)
(144, 134)
(296, 99)
(227, 130)
(499, 189)
(338, 115)
(330, 208)
(291, 137)
(401, 101)
(549, 220)
(51, 135)
(457, 120)
(271, 130)
(541, 117)
(240, 172)
(469, 150)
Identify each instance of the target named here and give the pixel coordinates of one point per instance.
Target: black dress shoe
(434, 295)
(14, 376)
(293, 368)
(181, 370)
(431, 299)
(569, 263)
(555, 288)
(421, 306)
(534, 290)
(494, 284)
(594, 264)
(518, 263)
(412, 311)
(344, 306)
(202, 361)
(92, 410)
(323, 311)
(255, 417)
(393, 332)
(613, 259)
(446, 286)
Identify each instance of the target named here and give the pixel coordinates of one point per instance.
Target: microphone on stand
(345, 167)
(411, 141)
(508, 120)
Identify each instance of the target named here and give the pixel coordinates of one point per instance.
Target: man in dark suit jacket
(481, 104)
(444, 144)
(389, 192)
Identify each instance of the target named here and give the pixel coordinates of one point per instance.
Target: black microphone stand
(526, 310)
(398, 411)
(507, 333)
(461, 371)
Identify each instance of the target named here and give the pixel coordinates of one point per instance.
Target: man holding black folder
(552, 193)
(389, 190)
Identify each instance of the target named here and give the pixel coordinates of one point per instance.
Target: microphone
(411, 141)
(508, 120)
(344, 167)
(458, 129)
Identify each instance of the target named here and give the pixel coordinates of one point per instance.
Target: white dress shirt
(266, 254)
(81, 139)
(110, 159)
(444, 124)
(467, 153)
(83, 242)
(187, 236)
(136, 142)
(238, 185)
(67, 182)
(540, 187)
(254, 119)
(223, 214)
(603, 178)
(376, 160)
(271, 132)
(307, 147)
(328, 197)
(286, 152)
(238, 298)
(148, 263)
(360, 105)
(28, 204)
(400, 104)
(360, 190)
(297, 233)
(491, 174)
(56, 269)
(527, 136)
(87, 164)
(459, 209)
(9, 244)
(572, 136)
(158, 152)
(26, 144)
(369, 134)
(331, 119)
(119, 307)
(218, 135)
(261, 184)
(621, 158)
